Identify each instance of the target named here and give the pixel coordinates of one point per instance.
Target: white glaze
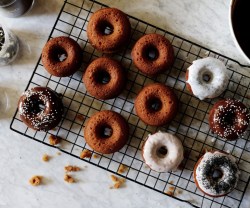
(171, 160)
(218, 77)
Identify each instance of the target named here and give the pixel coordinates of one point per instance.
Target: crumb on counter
(45, 158)
(122, 168)
(35, 180)
(58, 153)
(171, 182)
(118, 182)
(171, 188)
(178, 191)
(170, 193)
(86, 154)
(80, 117)
(69, 178)
(54, 140)
(95, 156)
(70, 168)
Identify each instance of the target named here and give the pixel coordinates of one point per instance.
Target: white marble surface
(204, 21)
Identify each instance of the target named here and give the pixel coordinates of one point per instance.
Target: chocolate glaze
(40, 108)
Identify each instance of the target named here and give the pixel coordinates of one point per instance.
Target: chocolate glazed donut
(229, 118)
(108, 30)
(40, 108)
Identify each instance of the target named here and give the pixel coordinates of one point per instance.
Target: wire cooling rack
(190, 125)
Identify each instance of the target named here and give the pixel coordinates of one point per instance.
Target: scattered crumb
(178, 191)
(170, 193)
(35, 180)
(58, 153)
(80, 117)
(69, 178)
(85, 153)
(171, 188)
(96, 156)
(118, 182)
(45, 158)
(122, 168)
(71, 168)
(54, 140)
(171, 182)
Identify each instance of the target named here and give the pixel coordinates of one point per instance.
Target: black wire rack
(190, 125)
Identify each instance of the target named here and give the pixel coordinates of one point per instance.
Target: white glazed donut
(162, 152)
(207, 78)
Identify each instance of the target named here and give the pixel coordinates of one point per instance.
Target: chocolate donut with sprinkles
(229, 118)
(40, 108)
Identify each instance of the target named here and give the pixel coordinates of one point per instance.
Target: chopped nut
(122, 168)
(96, 156)
(80, 117)
(46, 158)
(54, 140)
(85, 153)
(118, 182)
(69, 178)
(35, 180)
(71, 168)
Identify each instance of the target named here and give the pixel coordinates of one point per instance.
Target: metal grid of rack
(190, 125)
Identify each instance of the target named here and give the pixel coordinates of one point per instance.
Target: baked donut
(162, 152)
(108, 30)
(40, 108)
(152, 54)
(156, 104)
(207, 78)
(104, 78)
(58, 47)
(106, 132)
(216, 173)
(229, 118)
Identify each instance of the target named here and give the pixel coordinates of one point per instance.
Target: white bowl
(232, 5)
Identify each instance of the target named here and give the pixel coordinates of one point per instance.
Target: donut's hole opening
(36, 105)
(228, 119)
(162, 152)
(102, 77)
(105, 28)
(207, 77)
(151, 53)
(216, 174)
(59, 54)
(105, 131)
(154, 104)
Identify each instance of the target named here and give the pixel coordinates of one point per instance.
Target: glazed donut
(33, 115)
(56, 47)
(118, 24)
(216, 173)
(207, 78)
(162, 152)
(152, 54)
(108, 70)
(229, 118)
(156, 104)
(106, 132)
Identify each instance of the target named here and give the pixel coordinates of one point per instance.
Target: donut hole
(36, 105)
(216, 174)
(105, 131)
(59, 54)
(102, 76)
(105, 28)
(228, 119)
(162, 152)
(154, 104)
(207, 77)
(151, 53)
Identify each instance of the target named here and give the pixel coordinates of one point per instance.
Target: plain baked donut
(57, 47)
(162, 152)
(156, 104)
(229, 118)
(106, 132)
(152, 54)
(207, 78)
(104, 78)
(35, 117)
(119, 27)
(216, 173)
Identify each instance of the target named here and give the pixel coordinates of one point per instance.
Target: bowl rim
(232, 3)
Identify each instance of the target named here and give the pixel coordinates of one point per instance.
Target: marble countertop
(204, 22)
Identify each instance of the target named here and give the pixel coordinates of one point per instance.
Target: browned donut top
(94, 132)
(104, 78)
(160, 95)
(163, 51)
(119, 26)
(56, 47)
(229, 118)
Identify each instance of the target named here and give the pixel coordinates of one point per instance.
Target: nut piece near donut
(108, 30)
(61, 56)
(229, 118)
(40, 108)
(156, 104)
(153, 54)
(104, 78)
(106, 132)
(216, 173)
